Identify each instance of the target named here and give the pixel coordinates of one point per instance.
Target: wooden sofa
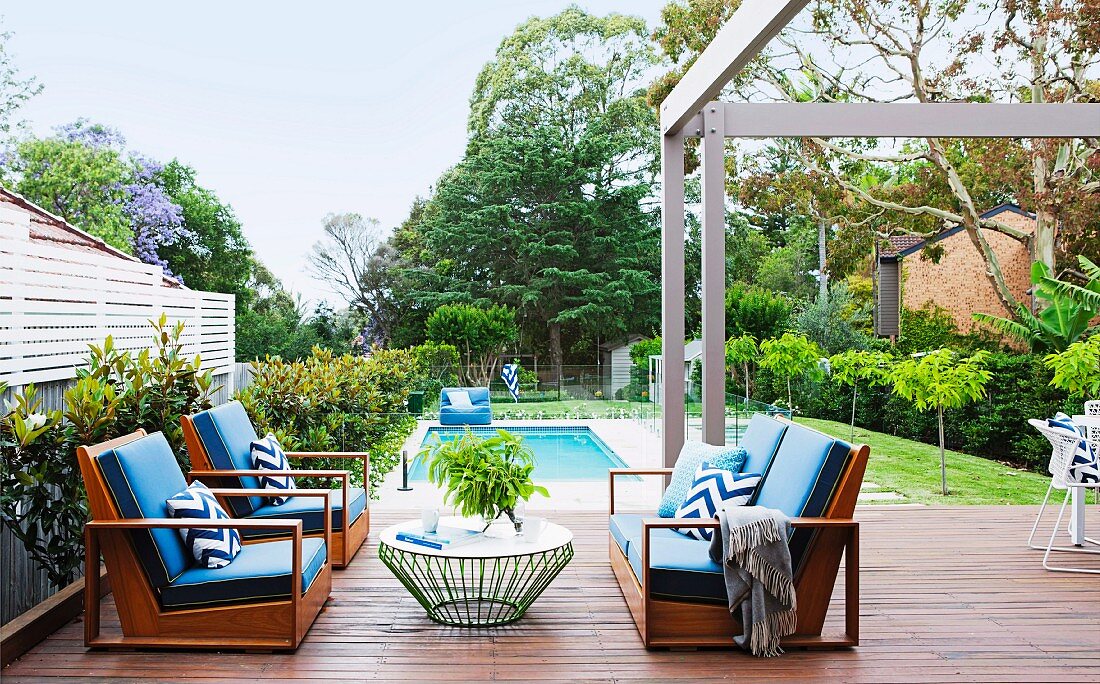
(676, 594)
(218, 442)
(258, 601)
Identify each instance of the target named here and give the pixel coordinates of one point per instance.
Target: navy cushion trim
(220, 453)
(260, 573)
(679, 568)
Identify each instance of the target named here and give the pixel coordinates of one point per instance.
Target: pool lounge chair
(219, 444)
(677, 595)
(465, 406)
(266, 598)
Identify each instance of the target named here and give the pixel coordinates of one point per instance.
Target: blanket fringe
(775, 582)
(764, 641)
(756, 533)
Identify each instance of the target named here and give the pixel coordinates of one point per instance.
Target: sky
(288, 111)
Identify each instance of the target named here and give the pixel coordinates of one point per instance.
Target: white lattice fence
(54, 302)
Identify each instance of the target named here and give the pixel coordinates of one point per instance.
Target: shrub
(833, 322)
(756, 311)
(436, 367)
(336, 403)
(42, 499)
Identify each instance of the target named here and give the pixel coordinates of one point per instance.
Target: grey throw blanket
(752, 550)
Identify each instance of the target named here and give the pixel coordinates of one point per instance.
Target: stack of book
(442, 538)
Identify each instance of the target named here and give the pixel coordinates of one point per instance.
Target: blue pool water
(561, 453)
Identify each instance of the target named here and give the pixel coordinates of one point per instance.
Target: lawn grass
(912, 469)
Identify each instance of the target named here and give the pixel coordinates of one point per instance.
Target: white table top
(1087, 421)
(552, 537)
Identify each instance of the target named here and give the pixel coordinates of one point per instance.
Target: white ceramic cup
(429, 518)
(533, 528)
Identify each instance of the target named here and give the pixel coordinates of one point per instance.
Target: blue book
(442, 538)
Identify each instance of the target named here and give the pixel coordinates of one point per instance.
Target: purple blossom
(156, 221)
(94, 135)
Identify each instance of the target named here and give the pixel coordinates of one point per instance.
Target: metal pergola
(690, 110)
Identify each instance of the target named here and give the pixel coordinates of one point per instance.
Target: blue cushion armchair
(452, 410)
(677, 594)
(266, 598)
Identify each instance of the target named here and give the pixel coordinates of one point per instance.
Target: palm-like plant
(1065, 316)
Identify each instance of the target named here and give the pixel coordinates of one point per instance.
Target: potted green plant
(483, 476)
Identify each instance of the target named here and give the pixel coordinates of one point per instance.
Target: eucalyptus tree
(925, 51)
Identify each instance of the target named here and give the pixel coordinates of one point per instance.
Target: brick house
(958, 283)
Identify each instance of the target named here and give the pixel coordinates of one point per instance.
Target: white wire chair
(1064, 443)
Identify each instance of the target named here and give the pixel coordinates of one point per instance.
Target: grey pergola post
(686, 111)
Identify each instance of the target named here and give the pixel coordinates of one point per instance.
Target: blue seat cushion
(802, 479)
(760, 441)
(627, 526)
(261, 572)
(141, 477)
(311, 511)
(679, 568)
(227, 435)
(479, 414)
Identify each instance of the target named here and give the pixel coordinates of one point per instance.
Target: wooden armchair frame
(267, 625)
(346, 540)
(668, 623)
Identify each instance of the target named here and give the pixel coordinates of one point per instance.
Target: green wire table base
(475, 592)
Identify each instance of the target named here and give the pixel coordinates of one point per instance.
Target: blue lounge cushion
(714, 488)
(693, 453)
(211, 547)
(679, 567)
(227, 435)
(627, 526)
(260, 573)
(141, 477)
(760, 441)
(1085, 466)
(802, 478)
(310, 510)
(267, 454)
(478, 413)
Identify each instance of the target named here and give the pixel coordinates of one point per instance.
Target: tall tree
(15, 89)
(552, 209)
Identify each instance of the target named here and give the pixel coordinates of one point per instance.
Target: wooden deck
(947, 595)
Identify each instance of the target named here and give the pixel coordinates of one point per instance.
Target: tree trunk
(855, 387)
(943, 459)
(555, 349)
(790, 403)
(1045, 223)
(823, 279)
(746, 382)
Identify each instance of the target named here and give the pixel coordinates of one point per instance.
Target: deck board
(947, 595)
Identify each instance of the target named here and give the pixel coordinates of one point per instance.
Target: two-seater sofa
(478, 413)
(677, 594)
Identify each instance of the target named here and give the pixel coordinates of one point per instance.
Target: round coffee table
(492, 581)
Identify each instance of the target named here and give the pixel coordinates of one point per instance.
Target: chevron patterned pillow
(713, 487)
(212, 547)
(268, 455)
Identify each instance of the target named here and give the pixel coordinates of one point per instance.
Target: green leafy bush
(42, 499)
(327, 402)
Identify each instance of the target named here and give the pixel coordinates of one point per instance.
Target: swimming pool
(561, 453)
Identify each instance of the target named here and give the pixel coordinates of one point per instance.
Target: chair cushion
(211, 547)
(227, 435)
(802, 479)
(712, 489)
(141, 477)
(760, 441)
(627, 526)
(311, 511)
(693, 453)
(268, 455)
(1085, 466)
(679, 567)
(260, 573)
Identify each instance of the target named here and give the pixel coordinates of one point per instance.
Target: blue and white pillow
(268, 455)
(1085, 467)
(211, 547)
(731, 458)
(712, 488)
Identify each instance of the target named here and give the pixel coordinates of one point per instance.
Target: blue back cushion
(760, 441)
(227, 435)
(802, 479)
(479, 396)
(141, 477)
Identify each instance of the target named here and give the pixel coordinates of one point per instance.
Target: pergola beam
(904, 120)
(735, 45)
